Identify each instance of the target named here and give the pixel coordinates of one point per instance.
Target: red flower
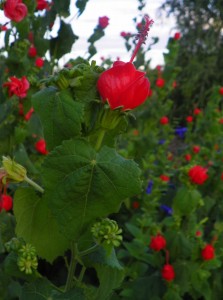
(6, 202)
(197, 111)
(43, 4)
(150, 93)
(164, 178)
(135, 204)
(160, 82)
(208, 252)
(125, 34)
(198, 233)
(168, 272)
(103, 22)
(122, 85)
(189, 119)
(41, 147)
(221, 91)
(32, 51)
(221, 176)
(174, 84)
(196, 149)
(164, 120)
(198, 174)
(15, 10)
(4, 28)
(18, 87)
(177, 36)
(221, 121)
(29, 114)
(158, 242)
(39, 62)
(187, 157)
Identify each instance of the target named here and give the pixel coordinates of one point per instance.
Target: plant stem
(72, 267)
(80, 278)
(100, 139)
(89, 250)
(34, 184)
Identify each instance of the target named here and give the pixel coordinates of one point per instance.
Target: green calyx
(14, 171)
(110, 119)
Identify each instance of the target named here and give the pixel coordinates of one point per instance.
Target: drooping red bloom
(18, 87)
(6, 202)
(189, 119)
(103, 22)
(29, 114)
(160, 82)
(157, 242)
(15, 10)
(197, 111)
(43, 4)
(198, 174)
(164, 120)
(177, 36)
(221, 91)
(196, 149)
(164, 178)
(32, 51)
(187, 157)
(168, 272)
(41, 147)
(39, 62)
(135, 204)
(123, 86)
(208, 252)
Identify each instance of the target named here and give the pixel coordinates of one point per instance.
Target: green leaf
(59, 47)
(82, 185)
(186, 201)
(36, 225)
(7, 226)
(60, 115)
(81, 4)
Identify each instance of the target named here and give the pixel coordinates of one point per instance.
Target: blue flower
(149, 187)
(161, 142)
(180, 131)
(168, 210)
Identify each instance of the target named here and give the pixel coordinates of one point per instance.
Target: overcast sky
(121, 14)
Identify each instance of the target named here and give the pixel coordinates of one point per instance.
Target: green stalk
(80, 278)
(100, 139)
(89, 250)
(34, 184)
(72, 268)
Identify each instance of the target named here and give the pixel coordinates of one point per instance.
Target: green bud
(14, 244)
(27, 265)
(107, 233)
(15, 172)
(27, 251)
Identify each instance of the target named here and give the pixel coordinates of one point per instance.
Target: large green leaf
(36, 224)
(60, 115)
(81, 4)
(82, 185)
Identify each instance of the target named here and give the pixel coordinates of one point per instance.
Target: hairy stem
(34, 184)
(72, 267)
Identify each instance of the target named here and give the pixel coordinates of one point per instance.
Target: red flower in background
(103, 22)
(197, 111)
(168, 272)
(158, 242)
(4, 28)
(15, 10)
(177, 36)
(189, 119)
(164, 178)
(39, 62)
(41, 147)
(32, 51)
(187, 157)
(18, 87)
(198, 174)
(208, 252)
(221, 91)
(160, 82)
(135, 204)
(164, 120)
(6, 202)
(43, 4)
(196, 149)
(29, 114)
(122, 85)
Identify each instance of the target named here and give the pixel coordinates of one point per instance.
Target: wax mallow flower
(103, 22)
(208, 252)
(198, 174)
(16, 86)
(41, 147)
(123, 86)
(157, 242)
(168, 272)
(6, 202)
(15, 10)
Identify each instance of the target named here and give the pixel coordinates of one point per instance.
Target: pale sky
(121, 14)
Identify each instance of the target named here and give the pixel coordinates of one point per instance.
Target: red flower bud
(197, 111)
(157, 243)
(29, 114)
(164, 120)
(198, 174)
(6, 202)
(41, 147)
(32, 51)
(196, 149)
(160, 82)
(187, 157)
(168, 272)
(177, 36)
(189, 119)
(164, 178)
(221, 91)
(15, 10)
(103, 22)
(39, 62)
(208, 252)
(135, 204)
